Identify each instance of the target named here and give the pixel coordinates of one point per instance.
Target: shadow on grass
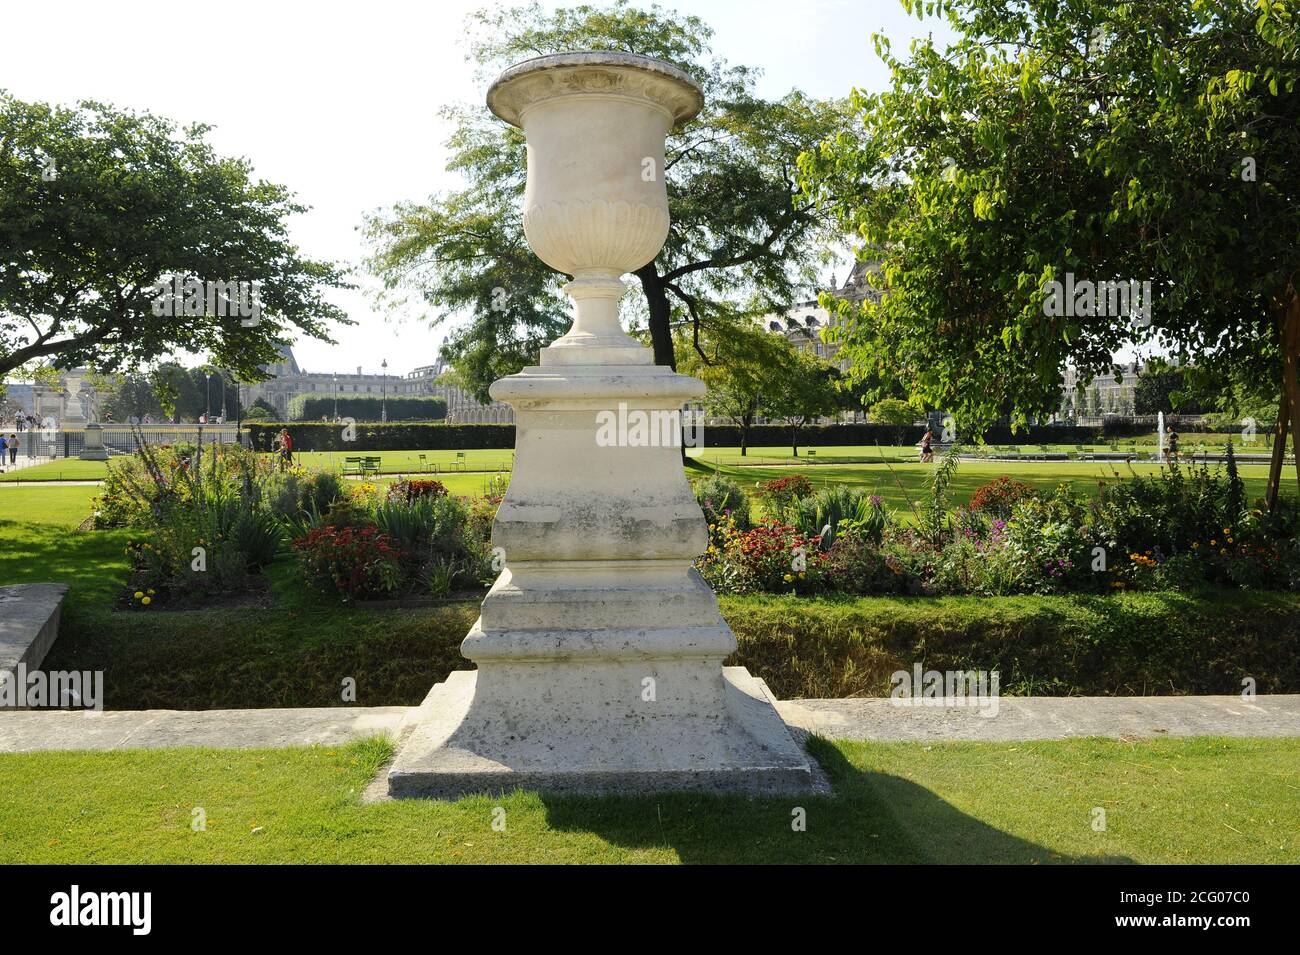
(871, 818)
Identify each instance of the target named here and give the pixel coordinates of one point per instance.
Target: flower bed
(1182, 528)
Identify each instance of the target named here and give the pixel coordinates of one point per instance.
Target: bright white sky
(338, 100)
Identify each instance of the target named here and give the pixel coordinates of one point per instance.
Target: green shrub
(779, 494)
(829, 507)
(718, 497)
(374, 436)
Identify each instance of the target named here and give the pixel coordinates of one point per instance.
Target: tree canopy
(99, 205)
(743, 238)
(1079, 142)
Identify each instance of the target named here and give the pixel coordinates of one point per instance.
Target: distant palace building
(287, 380)
(803, 323)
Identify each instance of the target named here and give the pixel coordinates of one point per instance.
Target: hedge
(842, 435)
(328, 436)
(315, 407)
(393, 436)
(1139, 643)
(1152, 643)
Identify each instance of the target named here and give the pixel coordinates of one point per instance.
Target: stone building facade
(287, 380)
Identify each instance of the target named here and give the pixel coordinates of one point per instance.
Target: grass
(300, 653)
(63, 469)
(440, 464)
(1202, 800)
(446, 462)
(898, 482)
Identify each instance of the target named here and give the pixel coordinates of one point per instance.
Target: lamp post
(599, 648)
(336, 396)
(383, 392)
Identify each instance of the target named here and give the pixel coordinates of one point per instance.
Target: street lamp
(336, 396)
(383, 392)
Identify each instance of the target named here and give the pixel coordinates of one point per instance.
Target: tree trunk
(1279, 453)
(661, 331)
(1290, 366)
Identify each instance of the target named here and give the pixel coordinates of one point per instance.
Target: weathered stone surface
(469, 744)
(599, 648)
(30, 731)
(1045, 717)
(29, 623)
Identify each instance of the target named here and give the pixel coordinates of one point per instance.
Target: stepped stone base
(465, 742)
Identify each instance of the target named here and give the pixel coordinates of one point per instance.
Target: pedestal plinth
(92, 448)
(599, 648)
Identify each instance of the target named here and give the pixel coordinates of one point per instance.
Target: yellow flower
(788, 577)
(152, 591)
(146, 601)
(1229, 540)
(138, 594)
(1214, 543)
(1226, 531)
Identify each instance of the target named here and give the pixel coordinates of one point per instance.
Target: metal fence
(70, 442)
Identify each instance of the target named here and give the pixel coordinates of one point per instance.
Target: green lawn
(436, 463)
(64, 469)
(493, 460)
(39, 543)
(898, 482)
(1166, 801)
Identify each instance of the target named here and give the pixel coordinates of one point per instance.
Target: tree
(1076, 141)
(737, 368)
(740, 369)
(98, 206)
(901, 414)
(1161, 387)
(741, 229)
(132, 397)
(805, 389)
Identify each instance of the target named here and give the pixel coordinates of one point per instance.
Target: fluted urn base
(599, 648)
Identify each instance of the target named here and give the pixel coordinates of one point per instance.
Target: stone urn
(599, 647)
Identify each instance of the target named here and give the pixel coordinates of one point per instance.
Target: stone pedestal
(92, 448)
(599, 648)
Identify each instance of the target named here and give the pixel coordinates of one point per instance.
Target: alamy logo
(1105, 299)
(648, 429)
(23, 689)
(103, 908)
(191, 298)
(975, 688)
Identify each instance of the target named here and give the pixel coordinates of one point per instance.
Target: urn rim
(607, 58)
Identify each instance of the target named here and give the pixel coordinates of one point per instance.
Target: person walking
(13, 449)
(285, 446)
(927, 447)
(4, 447)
